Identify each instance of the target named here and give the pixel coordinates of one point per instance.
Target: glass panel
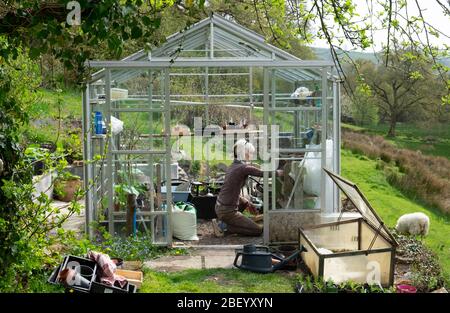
(371, 268)
(310, 257)
(338, 238)
(296, 108)
(368, 234)
(299, 187)
(360, 204)
(160, 229)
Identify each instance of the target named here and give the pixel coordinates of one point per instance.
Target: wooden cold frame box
(359, 249)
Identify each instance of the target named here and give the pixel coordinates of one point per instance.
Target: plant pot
(65, 189)
(406, 289)
(205, 207)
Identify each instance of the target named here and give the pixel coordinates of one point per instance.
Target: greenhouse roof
(214, 42)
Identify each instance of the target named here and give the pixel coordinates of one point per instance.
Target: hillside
(325, 54)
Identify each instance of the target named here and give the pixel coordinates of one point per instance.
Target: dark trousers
(237, 223)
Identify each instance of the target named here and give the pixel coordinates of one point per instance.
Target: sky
(432, 13)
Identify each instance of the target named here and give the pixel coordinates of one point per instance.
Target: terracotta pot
(67, 189)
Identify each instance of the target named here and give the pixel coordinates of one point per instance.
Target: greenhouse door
(299, 112)
(138, 157)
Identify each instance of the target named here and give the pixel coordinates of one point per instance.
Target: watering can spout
(288, 259)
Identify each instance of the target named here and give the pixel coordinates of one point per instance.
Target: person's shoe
(218, 232)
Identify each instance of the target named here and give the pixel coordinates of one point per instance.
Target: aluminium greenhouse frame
(273, 61)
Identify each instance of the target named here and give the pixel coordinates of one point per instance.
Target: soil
(206, 236)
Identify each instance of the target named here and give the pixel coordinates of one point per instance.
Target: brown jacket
(237, 173)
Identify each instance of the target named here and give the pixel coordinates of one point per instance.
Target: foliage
(27, 219)
(399, 89)
(130, 248)
(426, 272)
(72, 146)
(104, 24)
(363, 108)
(26, 222)
(310, 284)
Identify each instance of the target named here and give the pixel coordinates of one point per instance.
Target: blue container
(98, 123)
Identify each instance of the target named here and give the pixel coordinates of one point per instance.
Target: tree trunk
(392, 124)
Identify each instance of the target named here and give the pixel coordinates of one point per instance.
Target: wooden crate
(133, 277)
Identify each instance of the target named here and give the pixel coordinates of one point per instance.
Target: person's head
(243, 150)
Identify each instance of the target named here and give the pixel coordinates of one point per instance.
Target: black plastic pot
(205, 206)
(38, 166)
(285, 251)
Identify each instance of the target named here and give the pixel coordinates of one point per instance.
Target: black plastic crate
(80, 261)
(55, 273)
(97, 287)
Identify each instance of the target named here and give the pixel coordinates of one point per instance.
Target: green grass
(44, 116)
(433, 140)
(390, 203)
(215, 280)
(46, 103)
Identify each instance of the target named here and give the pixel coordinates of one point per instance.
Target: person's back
(235, 178)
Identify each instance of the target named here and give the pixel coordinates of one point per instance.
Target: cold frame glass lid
(361, 203)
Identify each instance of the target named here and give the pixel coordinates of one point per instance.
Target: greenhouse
(185, 103)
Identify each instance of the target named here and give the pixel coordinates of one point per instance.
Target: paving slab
(75, 222)
(175, 263)
(198, 259)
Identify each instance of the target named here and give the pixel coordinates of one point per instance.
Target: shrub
(425, 177)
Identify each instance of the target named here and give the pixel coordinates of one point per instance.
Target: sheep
(413, 224)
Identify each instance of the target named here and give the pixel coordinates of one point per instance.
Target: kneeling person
(229, 202)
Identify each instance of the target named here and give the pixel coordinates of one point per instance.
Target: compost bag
(184, 221)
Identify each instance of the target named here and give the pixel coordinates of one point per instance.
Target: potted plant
(121, 191)
(36, 156)
(66, 185)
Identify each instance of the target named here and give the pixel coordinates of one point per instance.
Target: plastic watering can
(259, 259)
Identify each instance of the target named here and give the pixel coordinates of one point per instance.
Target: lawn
(433, 140)
(390, 203)
(44, 116)
(216, 280)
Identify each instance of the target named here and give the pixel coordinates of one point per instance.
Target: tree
(402, 85)
(105, 26)
(363, 107)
